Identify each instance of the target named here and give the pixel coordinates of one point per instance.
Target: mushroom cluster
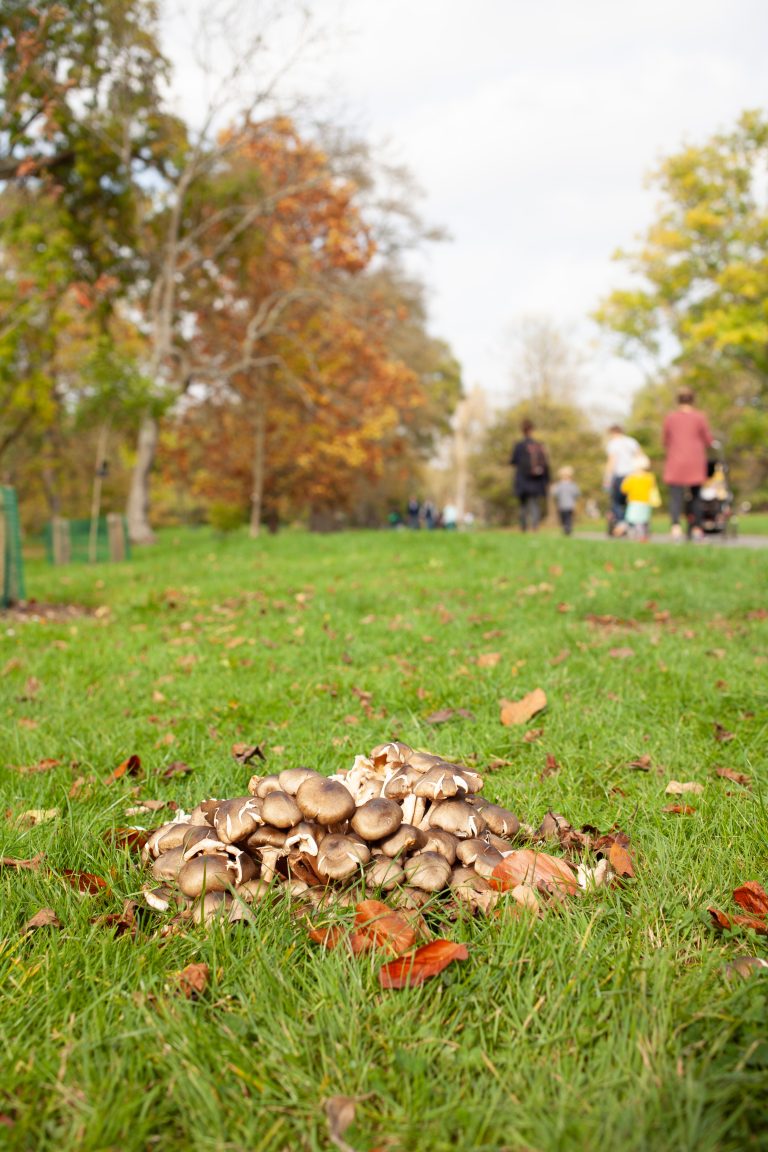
(403, 823)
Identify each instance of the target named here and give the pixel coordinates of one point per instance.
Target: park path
(715, 540)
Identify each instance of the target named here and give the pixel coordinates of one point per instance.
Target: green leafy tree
(698, 312)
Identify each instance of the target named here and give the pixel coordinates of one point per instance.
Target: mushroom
(392, 753)
(443, 842)
(236, 819)
(324, 800)
(280, 809)
(159, 898)
(305, 836)
(377, 819)
(383, 873)
(168, 866)
(265, 836)
(204, 812)
(428, 870)
(252, 890)
(436, 783)
(341, 856)
(401, 783)
(291, 779)
(404, 840)
(414, 809)
(423, 761)
(216, 872)
(261, 786)
(487, 861)
(212, 906)
(458, 817)
(472, 781)
(499, 820)
(165, 837)
(467, 851)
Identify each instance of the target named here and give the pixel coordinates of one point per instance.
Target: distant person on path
(529, 459)
(621, 452)
(450, 517)
(686, 438)
(414, 511)
(430, 514)
(565, 493)
(641, 493)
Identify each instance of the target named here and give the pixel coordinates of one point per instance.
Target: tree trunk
(139, 530)
(259, 442)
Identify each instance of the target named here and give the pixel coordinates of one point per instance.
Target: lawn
(614, 1022)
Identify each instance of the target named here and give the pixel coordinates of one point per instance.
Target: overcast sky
(530, 126)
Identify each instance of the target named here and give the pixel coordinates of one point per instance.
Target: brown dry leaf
(550, 768)
(532, 735)
(752, 897)
(129, 767)
(340, 1113)
(133, 839)
(244, 753)
(620, 860)
(383, 927)
(521, 711)
(122, 922)
(33, 865)
(723, 735)
(642, 764)
(745, 966)
(166, 741)
(722, 920)
(561, 657)
(175, 768)
(329, 936)
(35, 816)
(488, 659)
(192, 981)
(679, 788)
(737, 777)
(27, 722)
(525, 866)
(44, 765)
(45, 918)
(84, 881)
(679, 809)
(418, 966)
(444, 714)
(621, 653)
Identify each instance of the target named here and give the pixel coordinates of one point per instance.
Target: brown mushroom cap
(400, 783)
(236, 819)
(216, 872)
(436, 783)
(252, 890)
(423, 761)
(291, 779)
(428, 870)
(280, 809)
(443, 842)
(458, 817)
(487, 861)
(377, 819)
(166, 836)
(341, 856)
(383, 873)
(404, 840)
(499, 820)
(392, 753)
(265, 836)
(326, 801)
(211, 907)
(261, 786)
(305, 836)
(168, 866)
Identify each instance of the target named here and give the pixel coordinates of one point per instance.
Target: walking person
(529, 459)
(642, 494)
(565, 493)
(686, 437)
(621, 451)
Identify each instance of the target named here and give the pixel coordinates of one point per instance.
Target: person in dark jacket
(529, 459)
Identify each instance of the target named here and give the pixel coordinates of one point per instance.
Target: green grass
(609, 1024)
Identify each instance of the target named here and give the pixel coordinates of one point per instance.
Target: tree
(546, 366)
(698, 313)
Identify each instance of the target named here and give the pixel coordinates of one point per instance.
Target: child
(641, 492)
(565, 494)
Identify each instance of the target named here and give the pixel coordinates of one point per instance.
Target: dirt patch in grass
(36, 611)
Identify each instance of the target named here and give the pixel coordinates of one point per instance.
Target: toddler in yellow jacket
(641, 491)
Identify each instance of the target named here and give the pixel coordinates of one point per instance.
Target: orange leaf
(679, 809)
(520, 711)
(383, 927)
(753, 897)
(758, 923)
(84, 881)
(427, 961)
(719, 919)
(129, 767)
(329, 937)
(192, 981)
(620, 860)
(528, 867)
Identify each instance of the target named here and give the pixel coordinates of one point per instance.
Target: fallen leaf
(723, 735)
(561, 657)
(418, 966)
(620, 860)
(722, 920)
(525, 866)
(488, 659)
(11, 862)
(129, 767)
(443, 714)
(45, 918)
(35, 816)
(84, 881)
(621, 653)
(679, 788)
(133, 839)
(642, 764)
(244, 753)
(340, 1114)
(745, 966)
(737, 777)
(384, 928)
(192, 981)
(41, 766)
(679, 809)
(551, 767)
(175, 768)
(329, 936)
(520, 711)
(752, 897)
(122, 922)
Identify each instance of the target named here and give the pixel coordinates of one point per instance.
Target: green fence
(87, 541)
(12, 583)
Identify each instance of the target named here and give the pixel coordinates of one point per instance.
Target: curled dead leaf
(45, 918)
(679, 809)
(384, 928)
(737, 777)
(752, 897)
(244, 753)
(522, 710)
(421, 965)
(340, 1114)
(192, 981)
(33, 864)
(129, 767)
(35, 816)
(525, 866)
(679, 788)
(84, 881)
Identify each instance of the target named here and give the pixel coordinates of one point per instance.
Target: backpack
(537, 459)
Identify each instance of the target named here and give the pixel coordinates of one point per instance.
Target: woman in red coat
(686, 440)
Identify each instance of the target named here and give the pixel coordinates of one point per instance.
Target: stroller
(716, 500)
